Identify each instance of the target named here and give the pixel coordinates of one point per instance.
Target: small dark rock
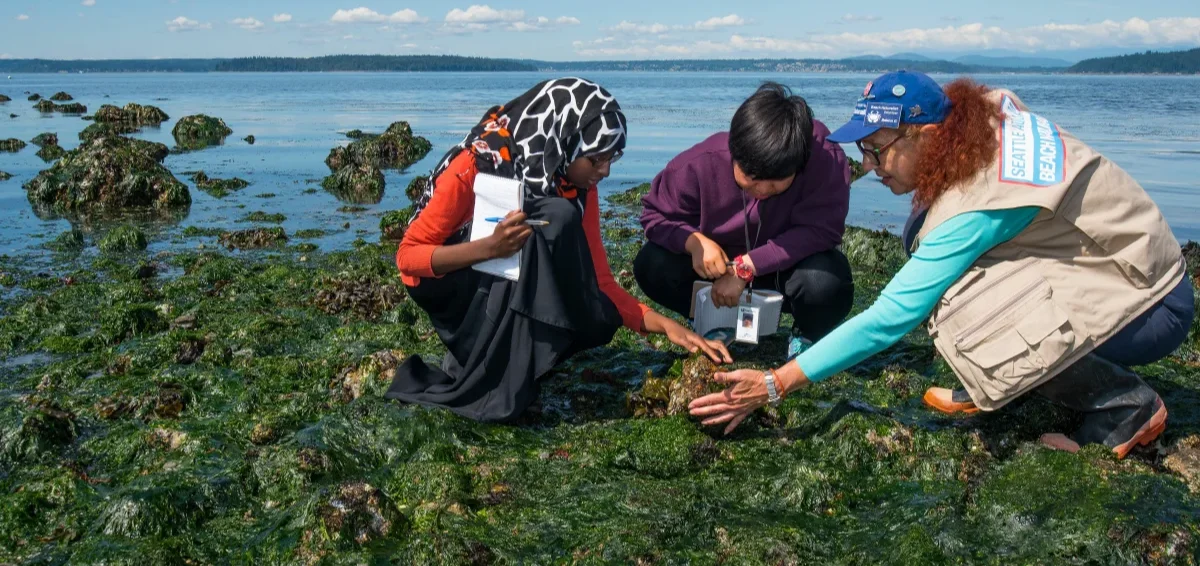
(35, 97)
(5, 176)
(43, 140)
(12, 145)
(61, 97)
(249, 140)
(219, 188)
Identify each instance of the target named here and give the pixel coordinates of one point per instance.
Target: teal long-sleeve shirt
(944, 255)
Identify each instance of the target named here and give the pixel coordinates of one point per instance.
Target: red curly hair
(962, 146)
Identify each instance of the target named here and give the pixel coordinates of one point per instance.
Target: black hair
(771, 134)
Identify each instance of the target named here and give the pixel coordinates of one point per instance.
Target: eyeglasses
(874, 154)
(599, 161)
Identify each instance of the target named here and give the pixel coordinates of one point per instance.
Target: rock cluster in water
(109, 174)
(61, 97)
(357, 175)
(4, 98)
(46, 106)
(12, 145)
(133, 114)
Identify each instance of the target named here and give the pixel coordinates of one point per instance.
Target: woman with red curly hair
(1039, 264)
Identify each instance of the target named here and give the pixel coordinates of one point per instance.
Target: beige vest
(1097, 255)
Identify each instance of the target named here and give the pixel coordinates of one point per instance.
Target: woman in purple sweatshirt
(770, 196)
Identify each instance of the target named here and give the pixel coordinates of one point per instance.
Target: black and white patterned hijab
(536, 135)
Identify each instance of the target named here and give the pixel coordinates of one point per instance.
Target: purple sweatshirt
(697, 193)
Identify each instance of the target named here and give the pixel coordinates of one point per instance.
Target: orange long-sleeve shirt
(452, 206)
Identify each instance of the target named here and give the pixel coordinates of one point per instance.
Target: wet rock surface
(12, 145)
(253, 238)
(109, 174)
(51, 152)
(100, 130)
(133, 114)
(357, 175)
(5, 176)
(61, 97)
(4, 98)
(200, 131)
(219, 188)
(45, 139)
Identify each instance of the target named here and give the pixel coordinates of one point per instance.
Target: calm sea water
(1148, 125)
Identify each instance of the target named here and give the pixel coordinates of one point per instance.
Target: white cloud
(186, 24)
(542, 23)
(630, 27)
(732, 20)
(22, 17)
(1131, 33)
(282, 18)
(853, 18)
(713, 23)
(363, 15)
(247, 23)
(483, 14)
(88, 2)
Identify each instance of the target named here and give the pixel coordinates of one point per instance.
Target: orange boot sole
(1147, 434)
(942, 400)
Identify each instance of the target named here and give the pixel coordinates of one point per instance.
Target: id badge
(747, 325)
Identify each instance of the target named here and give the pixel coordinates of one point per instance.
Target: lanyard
(746, 232)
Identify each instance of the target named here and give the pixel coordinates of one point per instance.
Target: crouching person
(766, 203)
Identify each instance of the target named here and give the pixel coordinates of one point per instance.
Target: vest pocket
(1017, 342)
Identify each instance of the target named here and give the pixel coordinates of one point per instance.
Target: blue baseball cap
(895, 98)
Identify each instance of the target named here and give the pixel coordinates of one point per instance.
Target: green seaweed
(51, 152)
(227, 408)
(393, 224)
(260, 216)
(123, 239)
(218, 188)
(69, 241)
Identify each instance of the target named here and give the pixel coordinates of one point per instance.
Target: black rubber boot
(1119, 407)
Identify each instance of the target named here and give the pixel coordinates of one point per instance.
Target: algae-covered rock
(44, 106)
(856, 169)
(34, 97)
(375, 371)
(61, 97)
(358, 513)
(4, 176)
(134, 114)
(260, 216)
(687, 381)
(51, 152)
(69, 241)
(355, 134)
(12, 145)
(362, 296)
(123, 239)
(200, 131)
(416, 187)
(71, 108)
(100, 130)
(396, 148)
(362, 184)
(4, 98)
(45, 139)
(109, 174)
(394, 223)
(249, 140)
(253, 239)
(42, 426)
(219, 188)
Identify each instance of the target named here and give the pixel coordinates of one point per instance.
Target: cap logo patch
(899, 90)
(867, 91)
(883, 114)
(915, 111)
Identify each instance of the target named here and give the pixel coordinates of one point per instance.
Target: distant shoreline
(1180, 63)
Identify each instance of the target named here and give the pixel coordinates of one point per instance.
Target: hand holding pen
(509, 236)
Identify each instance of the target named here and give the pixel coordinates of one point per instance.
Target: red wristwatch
(741, 270)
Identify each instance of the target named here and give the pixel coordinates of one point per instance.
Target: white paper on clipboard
(495, 197)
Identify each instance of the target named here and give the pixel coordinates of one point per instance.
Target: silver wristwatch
(773, 398)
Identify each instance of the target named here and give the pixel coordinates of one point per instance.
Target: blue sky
(613, 29)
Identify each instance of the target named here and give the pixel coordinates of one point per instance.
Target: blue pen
(527, 222)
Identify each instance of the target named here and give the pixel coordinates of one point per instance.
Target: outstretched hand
(747, 392)
(687, 339)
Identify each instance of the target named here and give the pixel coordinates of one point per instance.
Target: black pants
(501, 336)
(818, 291)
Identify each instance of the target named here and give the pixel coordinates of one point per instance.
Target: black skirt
(502, 335)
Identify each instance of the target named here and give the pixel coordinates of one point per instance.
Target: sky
(612, 29)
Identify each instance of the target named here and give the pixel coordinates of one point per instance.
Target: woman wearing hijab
(559, 139)
(1040, 265)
